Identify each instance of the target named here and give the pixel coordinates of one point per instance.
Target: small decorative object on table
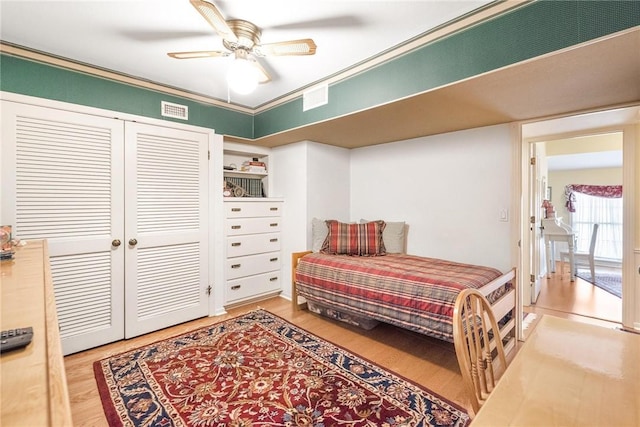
(6, 245)
(549, 210)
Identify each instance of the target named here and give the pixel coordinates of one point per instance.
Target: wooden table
(33, 389)
(569, 374)
(556, 231)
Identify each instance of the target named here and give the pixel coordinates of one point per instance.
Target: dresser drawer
(236, 226)
(252, 264)
(252, 286)
(252, 209)
(252, 244)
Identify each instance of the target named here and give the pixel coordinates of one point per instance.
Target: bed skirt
(343, 316)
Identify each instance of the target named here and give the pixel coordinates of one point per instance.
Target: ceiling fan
(242, 40)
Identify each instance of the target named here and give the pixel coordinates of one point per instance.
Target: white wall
(289, 175)
(449, 188)
(329, 183)
(314, 181)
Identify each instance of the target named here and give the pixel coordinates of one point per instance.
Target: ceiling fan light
(242, 76)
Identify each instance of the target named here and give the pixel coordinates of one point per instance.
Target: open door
(537, 193)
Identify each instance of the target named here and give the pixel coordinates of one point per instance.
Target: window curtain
(597, 204)
(607, 191)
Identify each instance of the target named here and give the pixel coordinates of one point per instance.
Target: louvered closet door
(166, 227)
(62, 181)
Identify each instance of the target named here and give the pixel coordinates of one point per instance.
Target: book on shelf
(251, 187)
(253, 169)
(254, 163)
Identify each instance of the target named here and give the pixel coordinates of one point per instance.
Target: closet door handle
(116, 243)
(133, 242)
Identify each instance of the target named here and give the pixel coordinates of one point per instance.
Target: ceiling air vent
(315, 97)
(175, 111)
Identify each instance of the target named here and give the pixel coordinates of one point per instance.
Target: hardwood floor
(426, 361)
(578, 300)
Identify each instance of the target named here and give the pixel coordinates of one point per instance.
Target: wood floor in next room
(579, 300)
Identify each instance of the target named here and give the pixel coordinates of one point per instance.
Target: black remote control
(15, 338)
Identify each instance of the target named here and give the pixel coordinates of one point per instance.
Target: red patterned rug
(259, 370)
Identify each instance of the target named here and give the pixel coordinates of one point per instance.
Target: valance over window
(608, 191)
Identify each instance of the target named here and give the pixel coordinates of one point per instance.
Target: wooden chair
(478, 344)
(584, 258)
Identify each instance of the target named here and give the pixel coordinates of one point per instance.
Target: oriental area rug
(608, 281)
(259, 370)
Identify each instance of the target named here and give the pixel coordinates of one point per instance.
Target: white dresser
(253, 257)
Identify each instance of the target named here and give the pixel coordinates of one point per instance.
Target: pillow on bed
(393, 236)
(319, 231)
(354, 239)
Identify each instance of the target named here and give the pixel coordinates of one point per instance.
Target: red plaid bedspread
(412, 292)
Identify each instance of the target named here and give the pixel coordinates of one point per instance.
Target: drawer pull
(273, 259)
(235, 266)
(235, 287)
(236, 244)
(275, 239)
(273, 279)
(236, 227)
(236, 209)
(273, 209)
(273, 224)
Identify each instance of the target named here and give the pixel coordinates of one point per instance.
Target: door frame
(622, 119)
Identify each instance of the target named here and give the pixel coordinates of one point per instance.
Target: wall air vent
(175, 111)
(315, 97)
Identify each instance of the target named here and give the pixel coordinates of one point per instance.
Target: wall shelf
(235, 154)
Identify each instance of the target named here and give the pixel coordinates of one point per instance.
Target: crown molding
(449, 28)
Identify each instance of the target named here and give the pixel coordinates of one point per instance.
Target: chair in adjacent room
(478, 345)
(584, 258)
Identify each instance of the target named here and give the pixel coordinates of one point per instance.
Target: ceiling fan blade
(213, 16)
(291, 47)
(263, 76)
(198, 54)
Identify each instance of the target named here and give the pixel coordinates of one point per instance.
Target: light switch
(503, 215)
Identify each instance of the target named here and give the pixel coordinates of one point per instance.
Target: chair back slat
(478, 345)
(594, 240)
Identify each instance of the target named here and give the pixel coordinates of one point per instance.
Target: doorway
(572, 296)
(593, 161)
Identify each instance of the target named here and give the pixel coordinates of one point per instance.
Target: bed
(412, 292)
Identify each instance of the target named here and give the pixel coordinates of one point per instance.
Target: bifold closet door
(62, 181)
(124, 207)
(166, 198)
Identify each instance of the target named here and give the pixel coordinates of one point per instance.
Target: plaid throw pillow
(354, 239)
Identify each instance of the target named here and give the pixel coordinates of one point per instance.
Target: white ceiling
(601, 159)
(133, 37)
